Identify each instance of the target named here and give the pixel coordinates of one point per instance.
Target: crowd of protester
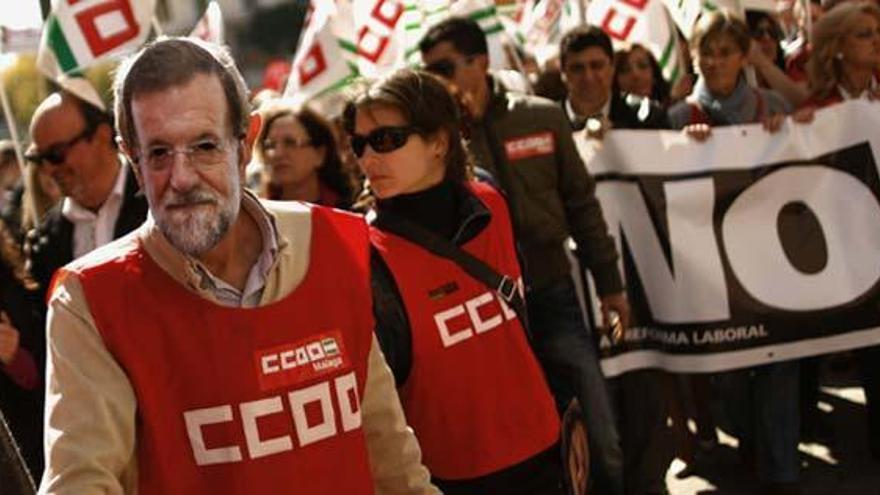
(423, 153)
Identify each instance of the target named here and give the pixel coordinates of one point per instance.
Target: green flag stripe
(345, 81)
(497, 28)
(667, 51)
(347, 45)
(59, 46)
(478, 15)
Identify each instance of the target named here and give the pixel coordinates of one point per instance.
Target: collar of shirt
(196, 276)
(77, 213)
(94, 229)
(579, 120)
(872, 86)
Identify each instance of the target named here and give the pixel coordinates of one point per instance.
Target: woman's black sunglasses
(382, 139)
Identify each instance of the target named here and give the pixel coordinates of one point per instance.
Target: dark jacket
(50, 246)
(550, 193)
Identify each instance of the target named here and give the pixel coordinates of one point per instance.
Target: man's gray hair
(174, 61)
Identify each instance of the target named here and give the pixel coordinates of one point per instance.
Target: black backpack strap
(504, 286)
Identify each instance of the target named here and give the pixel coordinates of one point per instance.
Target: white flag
(640, 21)
(543, 24)
(79, 34)
(322, 62)
(421, 16)
(379, 38)
(685, 14)
(19, 40)
(210, 26)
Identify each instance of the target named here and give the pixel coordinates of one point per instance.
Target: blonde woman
(845, 63)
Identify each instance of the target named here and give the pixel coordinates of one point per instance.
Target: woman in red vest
(471, 388)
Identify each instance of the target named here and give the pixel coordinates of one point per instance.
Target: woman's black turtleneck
(436, 208)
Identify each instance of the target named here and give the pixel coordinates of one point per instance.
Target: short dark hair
(425, 103)
(168, 62)
(92, 115)
(720, 23)
(464, 33)
(581, 38)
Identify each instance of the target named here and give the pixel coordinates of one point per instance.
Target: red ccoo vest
(233, 400)
(475, 396)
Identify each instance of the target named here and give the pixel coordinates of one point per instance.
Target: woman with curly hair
(845, 63)
(300, 156)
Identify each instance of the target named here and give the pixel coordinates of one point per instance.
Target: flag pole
(10, 122)
(157, 28)
(808, 12)
(16, 142)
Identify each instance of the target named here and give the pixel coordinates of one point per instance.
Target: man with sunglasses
(75, 141)
(226, 345)
(525, 142)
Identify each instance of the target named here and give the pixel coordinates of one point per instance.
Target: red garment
(475, 395)
(796, 64)
(234, 400)
(22, 370)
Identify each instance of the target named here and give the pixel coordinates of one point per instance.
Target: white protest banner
(210, 25)
(749, 248)
(640, 21)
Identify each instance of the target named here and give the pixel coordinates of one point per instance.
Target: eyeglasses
(446, 67)
(57, 153)
(199, 153)
(382, 139)
(270, 145)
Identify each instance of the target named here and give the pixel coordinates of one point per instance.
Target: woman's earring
(838, 56)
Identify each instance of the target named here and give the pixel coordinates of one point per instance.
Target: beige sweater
(91, 407)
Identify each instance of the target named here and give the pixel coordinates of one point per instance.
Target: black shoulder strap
(503, 285)
(14, 476)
